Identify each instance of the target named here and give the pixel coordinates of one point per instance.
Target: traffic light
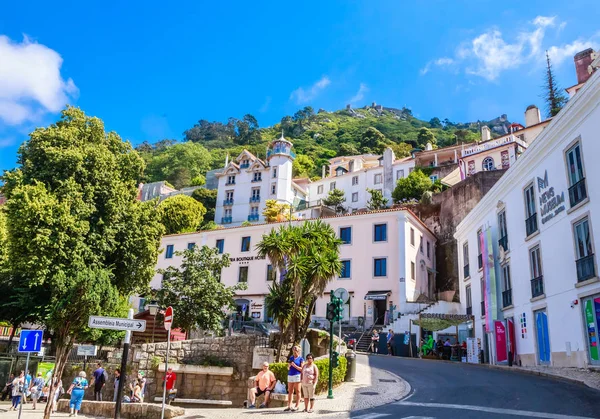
(334, 359)
(339, 309)
(330, 312)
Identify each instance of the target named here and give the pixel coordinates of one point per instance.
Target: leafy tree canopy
(181, 214)
(208, 198)
(411, 187)
(377, 201)
(335, 199)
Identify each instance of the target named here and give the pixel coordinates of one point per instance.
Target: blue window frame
(246, 244)
(191, 246)
(380, 232)
(345, 269)
(169, 252)
(346, 235)
(380, 267)
(220, 245)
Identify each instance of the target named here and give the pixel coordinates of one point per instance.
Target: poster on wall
(591, 326)
(500, 332)
(505, 160)
(471, 167)
(472, 351)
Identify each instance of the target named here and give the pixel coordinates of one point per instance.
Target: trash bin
(351, 366)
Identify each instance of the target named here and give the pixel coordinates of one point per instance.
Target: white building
(527, 250)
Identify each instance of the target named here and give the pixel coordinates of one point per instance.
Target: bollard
(351, 368)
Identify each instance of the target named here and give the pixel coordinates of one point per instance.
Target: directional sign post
(115, 323)
(29, 341)
(168, 322)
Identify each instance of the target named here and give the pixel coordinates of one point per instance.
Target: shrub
(280, 369)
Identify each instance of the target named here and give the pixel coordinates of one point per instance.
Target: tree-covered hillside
(317, 137)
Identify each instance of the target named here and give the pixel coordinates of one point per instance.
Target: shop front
(376, 311)
(591, 317)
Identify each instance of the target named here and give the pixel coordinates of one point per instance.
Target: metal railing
(531, 225)
(507, 298)
(577, 192)
(492, 144)
(537, 286)
(258, 179)
(585, 268)
(466, 272)
(254, 199)
(230, 183)
(503, 242)
(244, 165)
(253, 217)
(228, 202)
(226, 220)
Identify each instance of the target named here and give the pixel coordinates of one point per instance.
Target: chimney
(532, 116)
(323, 172)
(351, 166)
(583, 60)
(486, 134)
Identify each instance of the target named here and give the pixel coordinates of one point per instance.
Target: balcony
(483, 308)
(585, 268)
(480, 261)
(488, 145)
(255, 199)
(226, 220)
(466, 271)
(506, 298)
(577, 192)
(229, 183)
(228, 202)
(253, 217)
(469, 311)
(537, 286)
(257, 179)
(531, 225)
(503, 242)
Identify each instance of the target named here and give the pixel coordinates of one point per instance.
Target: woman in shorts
(310, 376)
(295, 362)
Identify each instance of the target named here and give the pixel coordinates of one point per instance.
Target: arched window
(488, 164)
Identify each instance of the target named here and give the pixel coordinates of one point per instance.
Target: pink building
(388, 263)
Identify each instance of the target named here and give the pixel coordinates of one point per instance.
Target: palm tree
(280, 305)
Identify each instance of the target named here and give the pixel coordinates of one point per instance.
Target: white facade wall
(564, 295)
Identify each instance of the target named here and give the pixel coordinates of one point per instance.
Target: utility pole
(123, 377)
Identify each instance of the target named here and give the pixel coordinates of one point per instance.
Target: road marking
(493, 410)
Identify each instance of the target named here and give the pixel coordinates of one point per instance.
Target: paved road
(454, 390)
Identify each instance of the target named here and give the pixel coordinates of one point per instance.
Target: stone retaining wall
(128, 410)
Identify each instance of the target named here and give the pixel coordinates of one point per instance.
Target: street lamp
(153, 309)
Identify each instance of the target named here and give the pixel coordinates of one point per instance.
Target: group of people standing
(22, 386)
(389, 339)
(302, 379)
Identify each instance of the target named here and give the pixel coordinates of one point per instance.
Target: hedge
(280, 369)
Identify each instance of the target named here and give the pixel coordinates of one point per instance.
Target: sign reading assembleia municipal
(115, 323)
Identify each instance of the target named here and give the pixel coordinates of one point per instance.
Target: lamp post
(153, 309)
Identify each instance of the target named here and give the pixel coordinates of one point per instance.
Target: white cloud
(7, 142)
(491, 53)
(301, 96)
(30, 81)
(360, 94)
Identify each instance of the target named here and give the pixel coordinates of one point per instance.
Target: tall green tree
(76, 233)
(303, 166)
(412, 186)
(377, 201)
(195, 290)
(208, 198)
(335, 199)
(553, 95)
(425, 136)
(373, 140)
(181, 214)
(179, 164)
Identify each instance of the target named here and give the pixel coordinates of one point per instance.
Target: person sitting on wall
(264, 384)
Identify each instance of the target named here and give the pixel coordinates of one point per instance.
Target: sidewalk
(588, 377)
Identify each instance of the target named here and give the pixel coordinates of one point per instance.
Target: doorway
(379, 312)
(542, 336)
(591, 317)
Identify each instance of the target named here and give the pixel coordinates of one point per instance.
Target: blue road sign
(31, 340)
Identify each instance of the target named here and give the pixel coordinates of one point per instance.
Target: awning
(377, 295)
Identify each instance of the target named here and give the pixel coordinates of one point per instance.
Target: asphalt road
(455, 390)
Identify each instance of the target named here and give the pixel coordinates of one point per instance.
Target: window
(169, 252)
(488, 164)
(274, 172)
(273, 188)
(255, 195)
(433, 178)
(257, 177)
(220, 245)
(243, 274)
(577, 189)
(530, 214)
(537, 278)
(346, 235)
(399, 174)
(469, 300)
(380, 267)
(254, 211)
(320, 189)
(230, 180)
(421, 244)
(502, 231)
(506, 287)
(482, 282)
(354, 180)
(228, 213)
(345, 274)
(354, 196)
(584, 252)
(271, 275)
(413, 269)
(380, 232)
(428, 250)
(410, 169)
(191, 246)
(378, 179)
(246, 244)
(245, 164)
(466, 272)
(479, 249)
(332, 186)
(412, 236)
(229, 196)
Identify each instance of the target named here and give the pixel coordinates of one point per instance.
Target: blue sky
(151, 70)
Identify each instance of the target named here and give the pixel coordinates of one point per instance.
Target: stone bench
(198, 402)
(276, 399)
(128, 410)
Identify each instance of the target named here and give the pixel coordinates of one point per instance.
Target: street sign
(31, 340)
(168, 318)
(115, 323)
(87, 350)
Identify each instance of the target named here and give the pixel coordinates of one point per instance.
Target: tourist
(18, 388)
(36, 389)
(390, 342)
(295, 362)
(170, 378)
(76, 390)
(375, 342)
(99, 382)
(310, 377)
(264, 384)
(447, 343)
(117, 377)
(136, 391)
(142, 381)
(7, 391)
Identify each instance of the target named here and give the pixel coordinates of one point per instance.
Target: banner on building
(591, 326)
(500, 332)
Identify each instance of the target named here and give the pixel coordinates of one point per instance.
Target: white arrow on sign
(115, 323)
(37, 335)
(24, 343)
